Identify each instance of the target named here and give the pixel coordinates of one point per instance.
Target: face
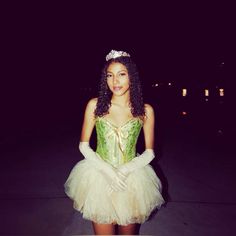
(117, 79)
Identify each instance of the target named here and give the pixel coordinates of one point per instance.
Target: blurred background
(52, 56)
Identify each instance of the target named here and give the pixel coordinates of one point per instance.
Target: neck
(121, 100)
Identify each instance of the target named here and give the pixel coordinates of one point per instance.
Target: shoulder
(148, 109)
(91, 105)
(92, 102)
(149, 112)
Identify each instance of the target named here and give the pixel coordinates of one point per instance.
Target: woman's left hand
(123, 171)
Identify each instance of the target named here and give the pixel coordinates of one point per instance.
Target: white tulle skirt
(87, 187)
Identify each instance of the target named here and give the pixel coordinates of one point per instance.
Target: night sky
(51, 51)
(52, 54)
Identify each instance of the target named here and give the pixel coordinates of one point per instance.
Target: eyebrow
(118, 71)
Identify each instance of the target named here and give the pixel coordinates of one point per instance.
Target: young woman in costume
(113, 186)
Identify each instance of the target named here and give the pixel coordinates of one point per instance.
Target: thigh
(103, 229)
(132, 229)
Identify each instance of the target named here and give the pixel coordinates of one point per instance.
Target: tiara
(115, 54)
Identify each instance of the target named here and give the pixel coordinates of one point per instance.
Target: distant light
(222, 64)
(220, 132)
(169, 84)
(206, 92)
(221, 90)
(156, 85)
(184, 92)
(184, 113)
(206, 99)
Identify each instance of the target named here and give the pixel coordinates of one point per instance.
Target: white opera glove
(138, 162)
(116, 182)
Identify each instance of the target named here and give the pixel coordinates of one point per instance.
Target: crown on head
(115, 54)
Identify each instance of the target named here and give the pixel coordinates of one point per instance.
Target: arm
(88, 124)
(149, 127)
(89, 121)
(148, 155)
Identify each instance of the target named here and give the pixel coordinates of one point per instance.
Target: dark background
(53, 53)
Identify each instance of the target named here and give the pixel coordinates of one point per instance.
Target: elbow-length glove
(138, 162)
(115, 181)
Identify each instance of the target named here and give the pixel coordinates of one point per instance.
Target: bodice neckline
(121, 126)
(116, 144)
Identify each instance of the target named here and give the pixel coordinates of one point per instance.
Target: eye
(108, 76)
(122, 74)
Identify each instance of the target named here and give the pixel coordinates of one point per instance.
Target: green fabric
(117, 145)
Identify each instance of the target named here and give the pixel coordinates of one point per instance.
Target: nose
(115, 80)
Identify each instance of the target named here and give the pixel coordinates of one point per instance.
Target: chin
(119, 93)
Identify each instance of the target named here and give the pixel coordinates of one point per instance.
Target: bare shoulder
(92, 103)
(90, 107)
(149, 110)
(149, 113)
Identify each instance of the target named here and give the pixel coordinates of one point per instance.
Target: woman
(113, 187)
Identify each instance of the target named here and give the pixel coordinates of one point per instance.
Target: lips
(117, 88)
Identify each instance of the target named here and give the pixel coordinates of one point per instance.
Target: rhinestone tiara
(114, 54)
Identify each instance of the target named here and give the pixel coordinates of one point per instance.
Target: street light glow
(221, 90)
(207, 92)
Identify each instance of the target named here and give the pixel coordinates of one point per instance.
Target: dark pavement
(195, 160)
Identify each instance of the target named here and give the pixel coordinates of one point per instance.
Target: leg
(103, 229)
(132, 229)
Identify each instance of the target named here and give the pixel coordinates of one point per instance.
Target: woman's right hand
(115, 181)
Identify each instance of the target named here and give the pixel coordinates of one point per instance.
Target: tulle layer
(88, 188)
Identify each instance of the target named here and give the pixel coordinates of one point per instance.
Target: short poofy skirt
(87, 187)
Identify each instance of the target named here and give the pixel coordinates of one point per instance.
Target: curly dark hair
(136, 97)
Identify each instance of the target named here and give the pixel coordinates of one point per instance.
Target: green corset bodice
(117, 145)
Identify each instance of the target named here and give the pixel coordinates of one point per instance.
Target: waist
(116, 157)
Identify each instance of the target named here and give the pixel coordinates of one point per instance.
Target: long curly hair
(136, 97)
